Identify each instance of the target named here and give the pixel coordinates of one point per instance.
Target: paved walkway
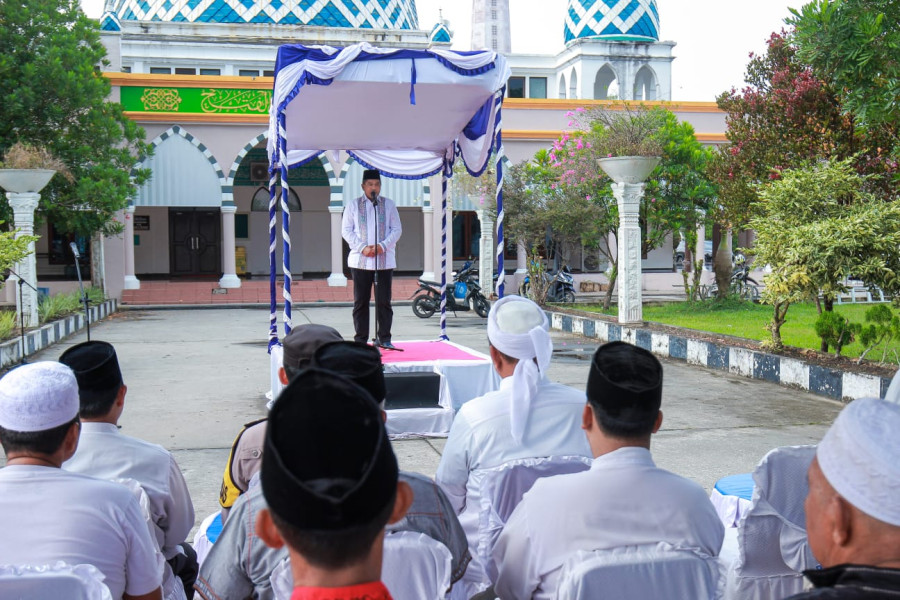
(195, 376)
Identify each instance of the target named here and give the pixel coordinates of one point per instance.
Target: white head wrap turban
(860, 457)
(38, 396)
(519, 328)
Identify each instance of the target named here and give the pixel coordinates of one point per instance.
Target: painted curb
(753, 364)
(48, 334)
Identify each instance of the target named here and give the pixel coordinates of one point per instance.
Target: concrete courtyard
(196, 376)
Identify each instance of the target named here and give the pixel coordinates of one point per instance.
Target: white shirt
(105, 453)
(358, 239)
(480, 438)
(47, 515)
(623, 499)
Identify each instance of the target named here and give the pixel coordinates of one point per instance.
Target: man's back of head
(301, 343)
(96, 367)
(624, 392)
(330, 479)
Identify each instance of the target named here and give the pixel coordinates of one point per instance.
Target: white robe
(480, 438)
(623, 500)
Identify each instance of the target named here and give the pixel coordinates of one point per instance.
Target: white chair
(415, 567)
(202, 543)
(773, 549)
(52, 582)
(502, 488)
(647, 572)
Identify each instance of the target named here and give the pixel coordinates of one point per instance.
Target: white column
(628, 196)
(24, 205)
(428, 242)
(337, 278)
(486, 253)
(229, 269)
(131, 282)
(521, 259)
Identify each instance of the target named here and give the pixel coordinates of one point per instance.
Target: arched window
(260, 201)
(645, 84)
(606, 85)
(573, 85)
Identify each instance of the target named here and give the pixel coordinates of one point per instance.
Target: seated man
(105, 453)
(330, 480)
(852, 509)
(246, 451)
(49, 515)
(527, 417)
(623, 500)
(239, 565)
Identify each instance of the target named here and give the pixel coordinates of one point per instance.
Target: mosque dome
(359, 14)
(441, 33)
(613, 20)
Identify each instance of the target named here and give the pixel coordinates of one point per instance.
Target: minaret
(490, 25)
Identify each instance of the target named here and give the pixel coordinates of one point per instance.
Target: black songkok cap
(96, 369)
(302, 342)
(357, 361)
(371, 174)
(625, 383)
(327, 463)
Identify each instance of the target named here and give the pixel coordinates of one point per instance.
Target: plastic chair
(649, 572)
(502, 488)
(415, 567)
(773, 549)
(52, 582)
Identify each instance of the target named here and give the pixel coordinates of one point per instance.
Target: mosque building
(197, 76)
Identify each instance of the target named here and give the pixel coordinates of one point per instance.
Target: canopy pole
(501, 155)
(445, 173)
(285, 224)
(273, 299)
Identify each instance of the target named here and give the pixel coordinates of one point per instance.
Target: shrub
(836, 330)
(60, 305)
(9, 322)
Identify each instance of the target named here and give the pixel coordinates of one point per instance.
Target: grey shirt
(239, 564)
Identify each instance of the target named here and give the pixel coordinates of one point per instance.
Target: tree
(854, 45)
(53, 96)
(816, 225)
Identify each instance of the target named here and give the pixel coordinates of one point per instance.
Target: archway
(562, 86)
(573, 85)
(606, 84)
(645, 84)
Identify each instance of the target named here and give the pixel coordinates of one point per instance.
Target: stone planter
(629, 173)
(20, 181)
(628, 169)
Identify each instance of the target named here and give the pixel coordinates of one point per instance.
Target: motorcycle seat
(436, 284)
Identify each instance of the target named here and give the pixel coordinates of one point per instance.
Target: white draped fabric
(58, 580)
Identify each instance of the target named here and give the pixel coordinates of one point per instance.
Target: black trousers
(186, 568)
(363, 280)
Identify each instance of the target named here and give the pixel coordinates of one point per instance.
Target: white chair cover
(415, 567)
(52, 582)
(172, 587)
(202, 545)
(773, 548)
(731, 509)
(502, 489)
(644, 572)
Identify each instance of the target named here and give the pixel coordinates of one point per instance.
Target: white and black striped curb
(791, 372)
(49, 334)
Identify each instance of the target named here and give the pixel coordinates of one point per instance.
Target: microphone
(74, 248)
(374, 198)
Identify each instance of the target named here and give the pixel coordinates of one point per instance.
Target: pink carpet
(426, 352)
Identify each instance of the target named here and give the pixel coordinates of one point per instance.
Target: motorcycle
(463, 294)
(561, 286)
(741, 284)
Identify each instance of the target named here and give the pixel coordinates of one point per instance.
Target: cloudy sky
(714, 37)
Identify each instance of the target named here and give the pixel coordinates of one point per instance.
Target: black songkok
(625, 384)
(96, 369)
(327, 463)
(302, 342)
(371, 174)
(357, 361)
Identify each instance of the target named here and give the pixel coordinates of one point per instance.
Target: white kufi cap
(38, 396)
(519, 328)
(860, 457)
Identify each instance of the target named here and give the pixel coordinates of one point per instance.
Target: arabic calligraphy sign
(196, 100)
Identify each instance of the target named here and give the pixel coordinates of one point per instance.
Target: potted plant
(26, 168)
(629, 142)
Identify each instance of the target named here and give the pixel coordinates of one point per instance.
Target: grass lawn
(747, 320)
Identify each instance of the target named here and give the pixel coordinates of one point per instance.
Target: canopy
(408, 113)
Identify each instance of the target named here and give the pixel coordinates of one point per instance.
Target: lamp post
(629, 174)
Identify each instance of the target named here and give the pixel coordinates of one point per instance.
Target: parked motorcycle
(741, 284)
(561, 288)
(463, 294)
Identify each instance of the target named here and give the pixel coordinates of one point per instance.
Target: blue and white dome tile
(360, 14)
(440, 33)
(633, 20)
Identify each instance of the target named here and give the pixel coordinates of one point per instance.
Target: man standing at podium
(371, 227)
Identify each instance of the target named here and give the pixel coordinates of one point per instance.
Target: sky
(714, 37)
